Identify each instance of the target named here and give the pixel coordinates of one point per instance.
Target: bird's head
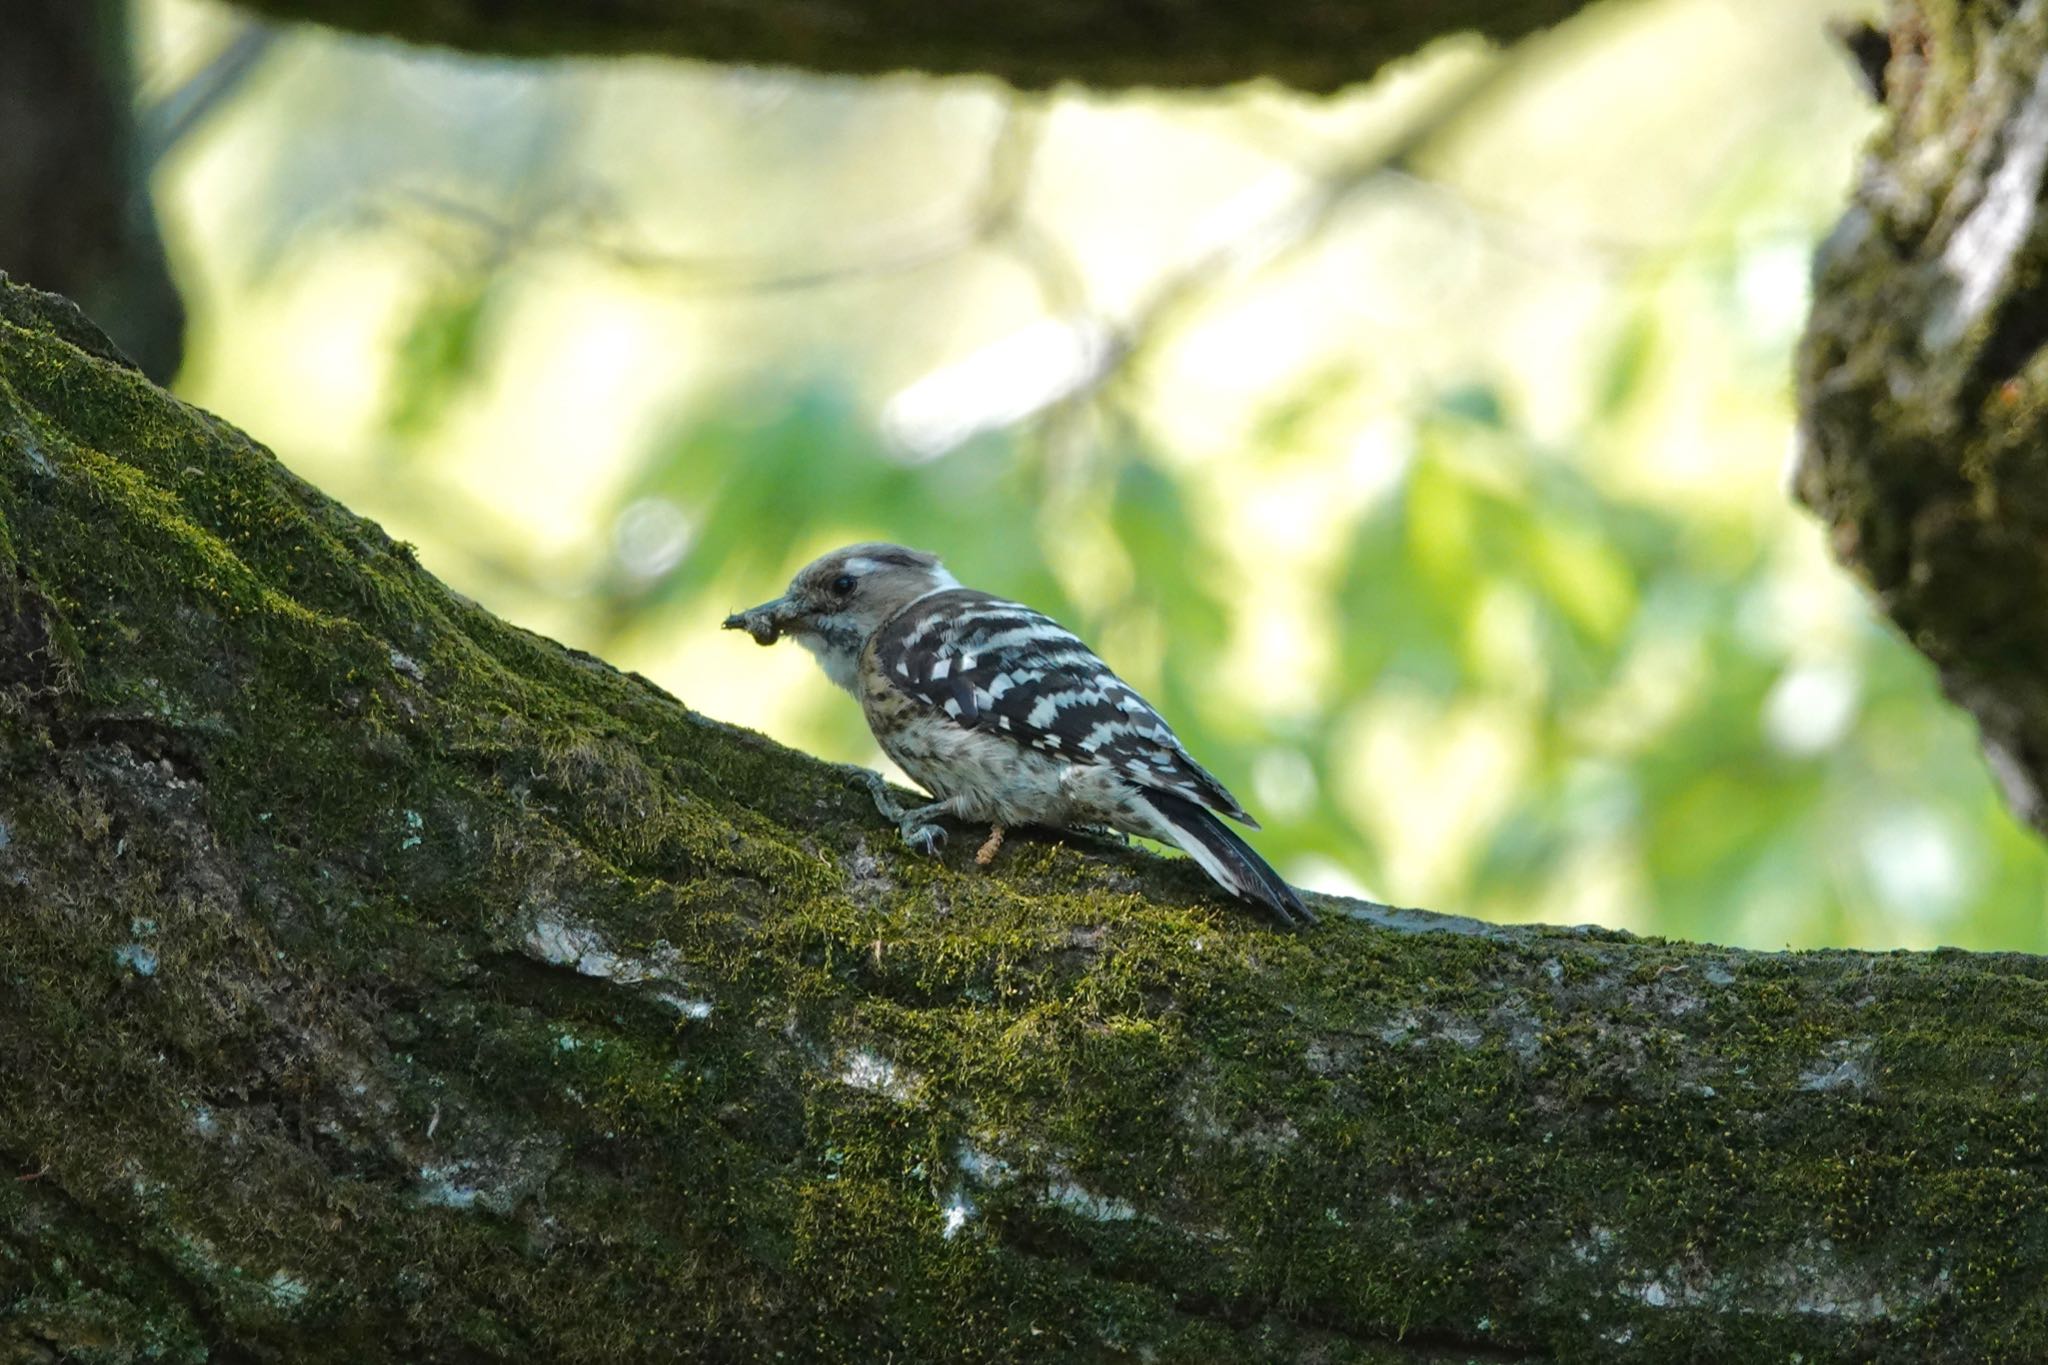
(838, 600)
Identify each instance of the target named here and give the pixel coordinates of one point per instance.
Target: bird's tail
(1228, 860)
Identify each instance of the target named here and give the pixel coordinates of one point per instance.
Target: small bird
(1004, 716)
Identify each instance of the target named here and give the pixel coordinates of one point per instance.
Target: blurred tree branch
(75, 212)
(1923, 377)
(585, 225)
(1308, 44)
(1270, 221)
(382, 982)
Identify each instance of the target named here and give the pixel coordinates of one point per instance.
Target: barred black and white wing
(988, 662)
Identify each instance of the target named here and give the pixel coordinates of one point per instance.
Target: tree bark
(1310, 44)
(1923, 378)
(381, 982)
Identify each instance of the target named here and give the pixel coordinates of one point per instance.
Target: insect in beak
(765, 622)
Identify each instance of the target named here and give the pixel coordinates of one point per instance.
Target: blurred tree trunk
(75, 213)
(1308, 44)
(381, 982)
(1923, 378)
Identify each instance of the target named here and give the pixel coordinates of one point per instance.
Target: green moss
(497, 1007)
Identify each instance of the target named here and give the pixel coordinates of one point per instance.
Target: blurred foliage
(1483, 599)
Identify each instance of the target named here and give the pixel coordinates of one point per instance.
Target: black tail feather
(1230, 861)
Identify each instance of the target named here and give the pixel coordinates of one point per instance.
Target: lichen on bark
(379, 981)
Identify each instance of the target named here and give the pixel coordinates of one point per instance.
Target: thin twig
(991, 210)
(169, 119)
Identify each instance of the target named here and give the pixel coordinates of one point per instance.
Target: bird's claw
(878, 788)
(925, 839)
(915, 825)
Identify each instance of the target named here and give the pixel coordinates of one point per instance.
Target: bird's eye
(843, 584)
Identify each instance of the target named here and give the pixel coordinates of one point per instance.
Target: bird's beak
(765, 622)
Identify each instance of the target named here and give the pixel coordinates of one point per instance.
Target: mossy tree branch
(1924, 373)
(1310, 44)
(379, 981)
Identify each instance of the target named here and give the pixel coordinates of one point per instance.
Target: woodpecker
(1005, 716)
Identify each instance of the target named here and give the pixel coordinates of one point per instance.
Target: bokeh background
(1419, 450)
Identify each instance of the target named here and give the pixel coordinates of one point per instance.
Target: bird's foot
(920, 827)
(917, 826)
(923, 838)
(990, 846)
(878, 788)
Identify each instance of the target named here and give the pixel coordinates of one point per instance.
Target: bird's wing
(987, 663)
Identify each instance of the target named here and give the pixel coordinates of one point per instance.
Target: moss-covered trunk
(1924, 373)
(381, 982)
